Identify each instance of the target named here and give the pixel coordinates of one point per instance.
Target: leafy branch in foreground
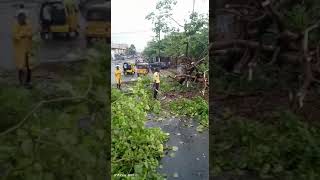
(195, 108)
(287, 148)
(61, 138)
(135, 148)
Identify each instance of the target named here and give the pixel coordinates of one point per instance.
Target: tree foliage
(57, 130)
(175, 42)
(136, 149)
(289, 151)
(131, 50)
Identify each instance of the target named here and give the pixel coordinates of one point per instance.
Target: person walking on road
(22, 42)
(118, 76)
(156, 83)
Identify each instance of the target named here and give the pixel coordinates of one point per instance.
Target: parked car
(155, 65)
(164, 65)
(118, 57)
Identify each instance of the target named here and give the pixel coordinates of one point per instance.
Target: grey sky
(129, 25)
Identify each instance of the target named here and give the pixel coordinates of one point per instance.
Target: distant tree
(132, 50)
(160, 19)
(173, 44)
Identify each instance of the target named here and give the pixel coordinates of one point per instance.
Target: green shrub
(135, 148)
(283, 149)
(196, 108)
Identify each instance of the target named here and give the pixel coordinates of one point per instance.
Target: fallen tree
(192, 73)
(267, 32)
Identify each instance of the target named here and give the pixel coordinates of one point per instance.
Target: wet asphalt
(58, 50)
(190, 159)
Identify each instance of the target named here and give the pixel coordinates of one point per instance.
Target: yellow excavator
(98, 18)
(59, 17)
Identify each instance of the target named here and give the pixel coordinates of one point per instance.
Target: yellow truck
(98, 19)
(128, 68)
(142, 68)
(59, 18)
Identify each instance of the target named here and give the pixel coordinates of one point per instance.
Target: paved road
(190, 161)
(58, 50)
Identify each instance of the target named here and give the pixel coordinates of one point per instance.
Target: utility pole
(159, 37)
(194, 1)
(159, 46)
(188, 41)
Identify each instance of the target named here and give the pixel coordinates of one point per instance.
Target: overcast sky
(129, 25)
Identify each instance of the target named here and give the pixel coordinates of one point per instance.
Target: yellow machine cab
(98, 19)
(58, 17)
(142, 68)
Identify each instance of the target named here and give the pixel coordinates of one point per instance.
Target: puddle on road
(189, 158)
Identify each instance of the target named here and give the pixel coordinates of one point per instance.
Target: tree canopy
(131, 50)
(174, 43)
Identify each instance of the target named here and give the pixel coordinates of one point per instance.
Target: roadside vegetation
(136, 149)
(287, 148)
(57, 130)
(265, 105)
(189, 39)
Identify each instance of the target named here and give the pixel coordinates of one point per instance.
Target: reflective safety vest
(156, 77)
(22, 42)
(118, 75)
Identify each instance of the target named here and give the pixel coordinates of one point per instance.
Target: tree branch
(41, 103)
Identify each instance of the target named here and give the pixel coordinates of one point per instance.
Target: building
(118, 48)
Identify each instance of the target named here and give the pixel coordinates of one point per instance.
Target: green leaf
(37, 167)
(200, 128)
(48, 176)
(27, 147)
(175, 148)
(138, 169)
(100, 134)
(65, 137)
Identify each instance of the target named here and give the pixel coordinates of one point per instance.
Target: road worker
(156, 83)
(21, 10)
(22, 42)
(118, 76)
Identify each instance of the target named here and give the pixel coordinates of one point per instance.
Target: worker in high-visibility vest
(156, 83)
(118, 76)
(22, 42)
(21, 10)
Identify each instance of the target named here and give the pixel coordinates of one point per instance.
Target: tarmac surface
(190, 158)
